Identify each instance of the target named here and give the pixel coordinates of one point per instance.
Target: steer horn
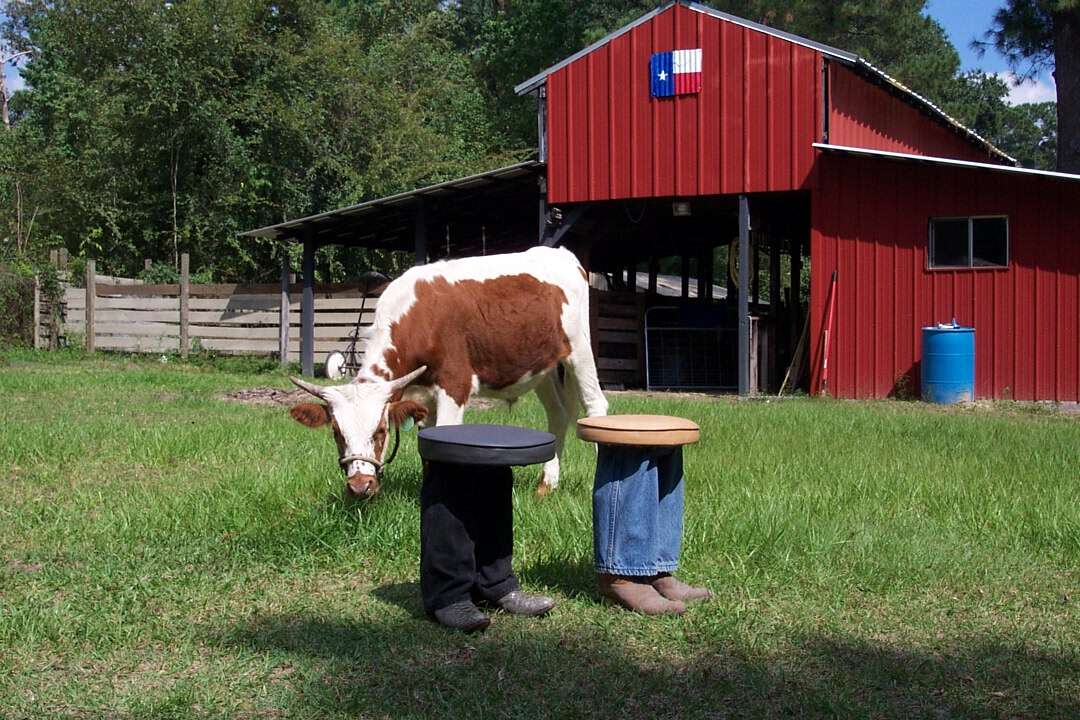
(406, 379)
(310, 387)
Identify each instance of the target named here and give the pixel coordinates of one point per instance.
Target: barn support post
(542, 212)
(283, 308)
(307, 307)
(654, 269)
(185, 301)
(91, 297)
(744, 299)
(685, 276)
(420, 233)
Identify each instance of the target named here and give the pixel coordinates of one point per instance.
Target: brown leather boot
(674, 589)
(638, 595)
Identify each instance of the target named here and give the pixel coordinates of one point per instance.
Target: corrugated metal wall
(750, 129)
(865, 115)
(870, 222)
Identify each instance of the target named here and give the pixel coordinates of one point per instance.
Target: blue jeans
(637, 510)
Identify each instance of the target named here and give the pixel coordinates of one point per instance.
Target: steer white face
(361, 414)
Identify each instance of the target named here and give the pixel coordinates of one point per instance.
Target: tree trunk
(1067, 77)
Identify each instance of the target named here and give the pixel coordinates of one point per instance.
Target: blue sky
(967, 20)
(963, 20)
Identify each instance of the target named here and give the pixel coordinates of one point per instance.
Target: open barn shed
(696, 145)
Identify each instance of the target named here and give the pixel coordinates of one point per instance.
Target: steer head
(361, 415)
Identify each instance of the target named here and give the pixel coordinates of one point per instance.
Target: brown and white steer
(495, 326)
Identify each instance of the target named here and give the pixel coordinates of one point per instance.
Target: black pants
(466, 534)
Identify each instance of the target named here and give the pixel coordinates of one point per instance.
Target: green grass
(165, 553)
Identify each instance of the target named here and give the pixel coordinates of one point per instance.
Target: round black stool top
(486, 445)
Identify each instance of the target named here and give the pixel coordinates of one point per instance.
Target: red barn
(782, 152)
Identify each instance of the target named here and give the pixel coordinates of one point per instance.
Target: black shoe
(523, 603)
(462, 615)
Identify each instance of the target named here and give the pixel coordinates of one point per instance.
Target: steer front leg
(558, 419)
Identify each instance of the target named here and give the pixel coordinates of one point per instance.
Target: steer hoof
(543, 489)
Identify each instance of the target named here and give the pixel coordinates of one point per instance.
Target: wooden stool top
(641, 430)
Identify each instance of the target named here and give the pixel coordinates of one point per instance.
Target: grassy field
(166, 553)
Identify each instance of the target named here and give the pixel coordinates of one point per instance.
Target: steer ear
(403, 409)
(311, 414)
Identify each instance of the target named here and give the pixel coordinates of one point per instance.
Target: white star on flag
(662, 76)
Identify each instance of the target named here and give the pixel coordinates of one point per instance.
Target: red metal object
(872, 226)
(750, 129)
(828, 337)
(867, 115)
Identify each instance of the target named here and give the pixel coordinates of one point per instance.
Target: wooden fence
(224, 318)
(265, 320)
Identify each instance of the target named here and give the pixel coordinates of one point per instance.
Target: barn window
(969, 242)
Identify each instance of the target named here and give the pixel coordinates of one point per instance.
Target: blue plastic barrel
(948, 364)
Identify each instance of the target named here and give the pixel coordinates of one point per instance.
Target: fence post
(37, 312)
(185, 291)
(283, 312)
(91, 295)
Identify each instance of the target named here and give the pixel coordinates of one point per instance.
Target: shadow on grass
(549, 668)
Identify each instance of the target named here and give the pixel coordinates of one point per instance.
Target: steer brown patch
(500, 330)
(312, 415)
(584, 274)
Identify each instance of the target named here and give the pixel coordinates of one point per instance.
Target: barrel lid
(641, 430)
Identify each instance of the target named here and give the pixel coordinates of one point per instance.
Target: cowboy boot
(674, 589)
(638, 595)
(463, 615)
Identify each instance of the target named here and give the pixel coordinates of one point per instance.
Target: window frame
(971, 242)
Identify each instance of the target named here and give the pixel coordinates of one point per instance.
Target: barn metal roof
(294, 229)
(866, 152)
(860, 64)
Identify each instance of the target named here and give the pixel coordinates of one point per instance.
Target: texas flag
(676, 72)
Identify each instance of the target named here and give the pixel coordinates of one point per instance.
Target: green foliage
(163, 128)
(166, 274)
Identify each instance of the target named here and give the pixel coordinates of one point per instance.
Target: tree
(1037, 35)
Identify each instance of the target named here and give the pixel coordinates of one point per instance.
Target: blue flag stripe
(662, 64)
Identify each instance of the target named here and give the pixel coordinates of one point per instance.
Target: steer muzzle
(362, 486)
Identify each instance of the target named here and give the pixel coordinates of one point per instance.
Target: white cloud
(1029, 91)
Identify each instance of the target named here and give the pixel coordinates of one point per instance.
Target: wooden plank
(225, 331)
(237, 303)
(610, 336)
(261, 347)
(138, 290)
(617, 363)
(339, 332)
(131, 303)
(136, 329)
(606, 323)
(185, 296)
(120, 316)
(618, 309)
(91, 296)
(338, 304)
(138, 344)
